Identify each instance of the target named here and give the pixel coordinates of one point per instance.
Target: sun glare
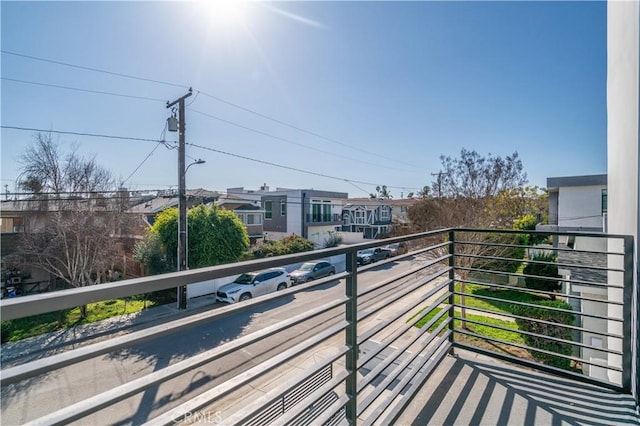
(227, 13)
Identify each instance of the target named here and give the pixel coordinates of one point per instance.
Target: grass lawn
(22, 328)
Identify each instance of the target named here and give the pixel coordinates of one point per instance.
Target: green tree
(381, 192)
(528, 222)
(215, 236)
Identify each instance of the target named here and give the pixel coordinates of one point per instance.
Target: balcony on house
(323, 218)
(449, 333)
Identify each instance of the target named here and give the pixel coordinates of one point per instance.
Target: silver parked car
(311, 271)
(254, 284)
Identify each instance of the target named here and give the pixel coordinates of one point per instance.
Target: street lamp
(186, 220)
(183, 236)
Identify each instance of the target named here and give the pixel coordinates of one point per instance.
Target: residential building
(248, 209)
(400, 209)
(313, 214)
(578, 203)
(371, 217)
(31, 216)
(150, 207)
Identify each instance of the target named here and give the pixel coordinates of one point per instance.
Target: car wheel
(245, 296)
(331, 273)
(282, 286)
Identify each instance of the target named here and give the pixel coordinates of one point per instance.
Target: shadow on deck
(470, 389)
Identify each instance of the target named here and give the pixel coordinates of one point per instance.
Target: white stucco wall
(580, 206)
(622, 141)
(294, 213)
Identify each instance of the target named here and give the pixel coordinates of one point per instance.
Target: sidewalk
(75, 337)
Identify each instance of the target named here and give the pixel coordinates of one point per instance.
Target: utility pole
(182, 199)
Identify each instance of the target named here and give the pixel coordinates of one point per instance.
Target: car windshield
(245, 279)
(365, 252)
(307, 266)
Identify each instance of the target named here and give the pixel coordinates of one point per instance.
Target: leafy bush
(287, 245)
(150, 253)
(543, 270)
(334, 240)
(547, 330)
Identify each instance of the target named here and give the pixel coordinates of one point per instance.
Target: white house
(578, 203)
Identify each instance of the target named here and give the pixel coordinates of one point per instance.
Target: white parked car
(254, 284)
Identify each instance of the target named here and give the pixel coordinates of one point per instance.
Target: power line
(78, 89)
(35, 58)
(292, 168)
(308, 132)
(205, 148)
(95, 135)
(216, 98)
(260, 132)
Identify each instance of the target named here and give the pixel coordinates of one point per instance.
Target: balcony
(348, 349)
(323, 219)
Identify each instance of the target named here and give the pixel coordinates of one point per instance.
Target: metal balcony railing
(316, 218)
(365, 347)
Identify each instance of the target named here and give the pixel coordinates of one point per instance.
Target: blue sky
(388, 87)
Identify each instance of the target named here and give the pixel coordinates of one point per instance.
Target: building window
(283, 208)
(321, 211)
(359, 216)
(604, 201)
(385, 213)
(268, 209)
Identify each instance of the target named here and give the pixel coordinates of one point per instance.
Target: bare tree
(468, 189)
(77, 239)
(45, 169)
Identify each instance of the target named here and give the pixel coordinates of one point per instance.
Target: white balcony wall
(622, 143)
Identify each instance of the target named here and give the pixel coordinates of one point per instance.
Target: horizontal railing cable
(541, 248)
(531, 348)
(366, 335)
(388, 361)
(539, 262)
(418, 382)
(538, 366)
(534, 291)
(205, 398)
(409, 359)
(53, 362)
(404, 290)
(531, 305)
(110, 397)
(397, 277)
(300, 408)
(565, 280)
(528, 333)
(539, 321)
(441, 346)
(251, 408)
